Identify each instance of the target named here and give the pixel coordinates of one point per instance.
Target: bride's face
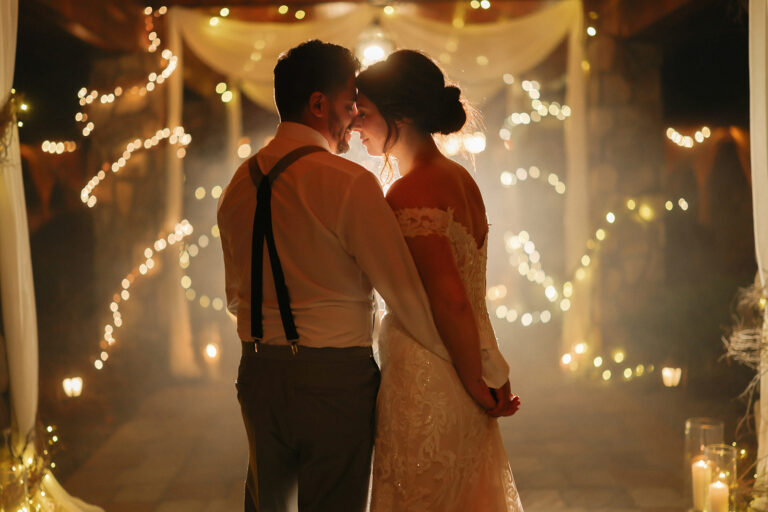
(371, 125)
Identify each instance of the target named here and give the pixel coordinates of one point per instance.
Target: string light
(86, 97)
(93, 97)
(182, 230)
(26, 473)
(527, 260)
(192, 251)
(540, 109)
(177, 136)
(686, 141)
(580, 353)
(57, 148)
(509, 179)
(646, 213)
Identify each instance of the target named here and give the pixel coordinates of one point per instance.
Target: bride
(438, 445)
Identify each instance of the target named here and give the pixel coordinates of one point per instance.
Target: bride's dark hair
(409, 85)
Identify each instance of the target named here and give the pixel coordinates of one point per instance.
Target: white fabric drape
(475, 56)
(182, 360)
(577, 322)
(247, 51)
(758, 127)
(16, 285)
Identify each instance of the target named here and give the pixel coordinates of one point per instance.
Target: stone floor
(574, 447)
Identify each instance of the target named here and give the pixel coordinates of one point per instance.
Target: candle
(718, 497)
(701, 477)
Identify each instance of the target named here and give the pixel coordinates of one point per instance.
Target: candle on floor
(718, 497)
(701, 477)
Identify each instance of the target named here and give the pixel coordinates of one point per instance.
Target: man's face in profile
(342, 113)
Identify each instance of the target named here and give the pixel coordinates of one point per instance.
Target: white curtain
(758, 125)
(182, 360)
(247, 51)
(16, 285)
(475, 56)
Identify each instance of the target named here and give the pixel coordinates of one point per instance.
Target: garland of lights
(181, 230)
(177, 136)
(27, 473)
(522, 250)
(540, 109)
(686, 141)
(644, 212)
(86, 98)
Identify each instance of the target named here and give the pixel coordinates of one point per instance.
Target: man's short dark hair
(310, 67)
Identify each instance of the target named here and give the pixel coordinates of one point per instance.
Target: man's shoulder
(241, 175)
(326, 161)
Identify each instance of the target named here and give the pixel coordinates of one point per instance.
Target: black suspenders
(262, 228)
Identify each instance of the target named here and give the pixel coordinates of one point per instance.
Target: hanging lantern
(373, 45)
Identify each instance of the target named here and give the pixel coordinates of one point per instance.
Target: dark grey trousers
(310, 422)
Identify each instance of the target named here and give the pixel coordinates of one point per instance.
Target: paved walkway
(574, 447)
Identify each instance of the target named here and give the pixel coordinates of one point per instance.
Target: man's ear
(318, 104)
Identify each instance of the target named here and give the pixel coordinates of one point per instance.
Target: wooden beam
(628, 18)
(110, 25)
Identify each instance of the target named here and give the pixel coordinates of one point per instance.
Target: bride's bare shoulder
(434, 185)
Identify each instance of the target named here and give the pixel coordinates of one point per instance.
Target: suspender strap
(262, 229)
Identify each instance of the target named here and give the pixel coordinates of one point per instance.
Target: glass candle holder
(722, 460)
(699, 432)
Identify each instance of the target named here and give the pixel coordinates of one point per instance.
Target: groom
(307, 381)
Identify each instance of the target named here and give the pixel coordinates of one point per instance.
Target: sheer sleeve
(424, 221)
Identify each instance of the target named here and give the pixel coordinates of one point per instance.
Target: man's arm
(230, 281)
(369, 231)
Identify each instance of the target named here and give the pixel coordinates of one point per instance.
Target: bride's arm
(452, 311)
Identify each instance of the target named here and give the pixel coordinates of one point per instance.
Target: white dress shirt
(337, 239)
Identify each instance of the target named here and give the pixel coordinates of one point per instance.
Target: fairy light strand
(526, 259)
(177, 136)
(182, 230)
(510, 179)
(539, 109)
(87, 98)
(686, 141)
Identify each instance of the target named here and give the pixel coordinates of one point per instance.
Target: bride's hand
(481, 394)
(506, 403)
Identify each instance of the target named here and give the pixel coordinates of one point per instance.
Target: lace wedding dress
(436, 450)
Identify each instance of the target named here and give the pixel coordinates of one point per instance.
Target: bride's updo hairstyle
(409, 85)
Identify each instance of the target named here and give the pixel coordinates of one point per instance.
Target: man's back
(320, 204)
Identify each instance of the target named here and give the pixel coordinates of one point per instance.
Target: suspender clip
(294, 347)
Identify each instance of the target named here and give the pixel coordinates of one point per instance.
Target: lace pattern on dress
(436, 450)
(424, 221)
